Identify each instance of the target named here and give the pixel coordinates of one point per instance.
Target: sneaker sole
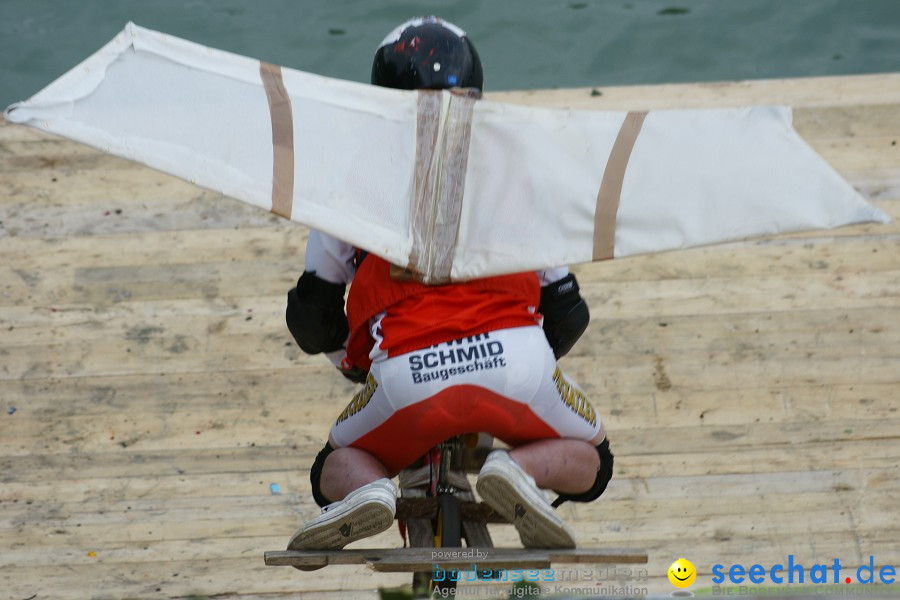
(536, 530)
(363, 521)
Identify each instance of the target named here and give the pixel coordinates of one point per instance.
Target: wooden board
(410, 560)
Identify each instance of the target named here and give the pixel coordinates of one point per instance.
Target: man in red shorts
(438, 361)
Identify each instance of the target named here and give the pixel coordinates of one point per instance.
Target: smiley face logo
(682, 573)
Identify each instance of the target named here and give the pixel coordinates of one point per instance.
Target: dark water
(523, 43)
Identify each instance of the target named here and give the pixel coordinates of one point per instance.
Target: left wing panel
(214, 119)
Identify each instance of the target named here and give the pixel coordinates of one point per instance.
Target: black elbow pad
(565, 313)
(315, 314)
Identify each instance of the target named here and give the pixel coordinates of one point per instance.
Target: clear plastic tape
(444, 129)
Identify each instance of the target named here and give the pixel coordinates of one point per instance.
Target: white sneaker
(513, 494)
(363, 513)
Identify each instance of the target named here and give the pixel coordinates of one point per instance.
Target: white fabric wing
(441, 183)
(693, 178)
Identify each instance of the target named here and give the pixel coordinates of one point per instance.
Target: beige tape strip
(282, 139)
(610, 192)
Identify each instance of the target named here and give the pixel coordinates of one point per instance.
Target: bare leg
(370, 512)
(348, 469)
(563, 465)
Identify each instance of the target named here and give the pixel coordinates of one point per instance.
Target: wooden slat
(419, 559)
(860, 90)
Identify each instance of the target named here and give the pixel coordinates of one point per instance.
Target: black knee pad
(315, 475)
(604, 474)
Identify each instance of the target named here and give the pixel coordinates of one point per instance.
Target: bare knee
(338, 471)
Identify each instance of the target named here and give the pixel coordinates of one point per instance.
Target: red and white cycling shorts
(505, 383)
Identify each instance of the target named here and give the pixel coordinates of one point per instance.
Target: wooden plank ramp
(157, 422)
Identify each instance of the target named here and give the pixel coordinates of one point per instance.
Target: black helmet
(427, 53)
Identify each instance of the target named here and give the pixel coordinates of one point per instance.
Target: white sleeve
(330, 258)
(548, 276)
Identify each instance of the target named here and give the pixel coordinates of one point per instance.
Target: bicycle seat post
(447, 449)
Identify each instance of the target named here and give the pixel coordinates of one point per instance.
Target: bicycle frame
(441, 511)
